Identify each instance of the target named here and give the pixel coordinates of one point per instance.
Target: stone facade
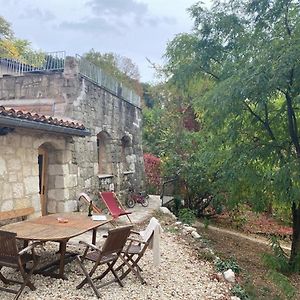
(111, 157)
(19, 172)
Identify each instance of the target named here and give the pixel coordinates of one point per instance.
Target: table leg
(62, 249)
(94, 236)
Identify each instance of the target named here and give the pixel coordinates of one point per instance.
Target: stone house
(64, 131)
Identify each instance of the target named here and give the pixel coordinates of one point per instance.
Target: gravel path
(179, 276)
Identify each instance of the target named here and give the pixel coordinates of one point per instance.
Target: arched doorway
(43, 180)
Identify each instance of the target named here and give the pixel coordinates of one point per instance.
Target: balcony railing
(55, 61)
(35, 62)
(99, 77)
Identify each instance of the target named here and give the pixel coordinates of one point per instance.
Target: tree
(5, 29)
(244, 57)
(11, 47)
(120, 67)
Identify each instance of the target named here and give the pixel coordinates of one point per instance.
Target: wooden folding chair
(137, 247)
(11, 257)
(108, 254)
(113, 205)
(84, 201)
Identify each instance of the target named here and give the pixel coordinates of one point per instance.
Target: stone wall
(19, 172)
(69, 95)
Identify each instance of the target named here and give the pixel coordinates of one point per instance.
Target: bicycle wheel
(130, 202)
(145, 201)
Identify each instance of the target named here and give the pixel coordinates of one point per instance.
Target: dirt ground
(248, 255)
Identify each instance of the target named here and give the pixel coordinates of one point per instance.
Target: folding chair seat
(133, 253)
(11, 257)
(108, 254)
(113, 205)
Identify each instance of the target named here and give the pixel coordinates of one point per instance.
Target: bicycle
(133, 198)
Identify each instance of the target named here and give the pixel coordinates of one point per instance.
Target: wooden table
(47, 228)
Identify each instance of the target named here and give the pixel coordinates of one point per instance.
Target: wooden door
(43, 162)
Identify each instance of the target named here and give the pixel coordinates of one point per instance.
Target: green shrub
(224, 265)
(176, 205)
(278, 260)
(283, 283)
(238, 216)
(187, 216)
(238, 291)
(206, 222)
(278, 263)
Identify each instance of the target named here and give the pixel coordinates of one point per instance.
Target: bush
(187, 216)
(176, 205)
(238, 291)
(224, 265)
(278, 265)
(153, 173)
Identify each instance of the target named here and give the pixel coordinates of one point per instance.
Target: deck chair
(84, 202)
(108, 254)
(11, 257)
(113, 205)
(133, 253)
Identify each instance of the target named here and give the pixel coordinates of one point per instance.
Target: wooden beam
(21, 212)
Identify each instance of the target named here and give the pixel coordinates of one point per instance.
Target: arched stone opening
(126, 152)
(104, 153)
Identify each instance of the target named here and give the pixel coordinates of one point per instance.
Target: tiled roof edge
(25, 115)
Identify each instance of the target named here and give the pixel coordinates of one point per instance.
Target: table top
(48, 228)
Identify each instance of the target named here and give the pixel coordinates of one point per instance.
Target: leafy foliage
(187, 216)
(152, 170)
(120, 67)
(10, 46)
(278, 265)
(238, 291)
(282, 282)
(240, 72)
(224, 265)
(5, 29)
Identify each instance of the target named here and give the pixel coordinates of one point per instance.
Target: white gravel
(179, 276)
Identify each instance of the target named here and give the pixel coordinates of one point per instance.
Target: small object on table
(62, 220)
(99, 218)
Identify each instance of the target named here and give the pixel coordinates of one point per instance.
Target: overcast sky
(133, 28)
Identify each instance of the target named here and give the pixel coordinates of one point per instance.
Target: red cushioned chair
(113, 205)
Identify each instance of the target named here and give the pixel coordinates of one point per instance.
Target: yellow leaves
(8, 49)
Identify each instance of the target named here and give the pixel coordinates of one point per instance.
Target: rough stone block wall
(69, 95)
(19, 172)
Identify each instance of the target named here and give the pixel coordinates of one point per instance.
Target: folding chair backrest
(8, 247)
(111, 202)
(147, 234)
(116, 240)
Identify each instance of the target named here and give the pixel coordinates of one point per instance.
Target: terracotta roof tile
(20, 114)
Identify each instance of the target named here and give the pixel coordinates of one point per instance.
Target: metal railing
(165, 196)
(99, 77)
(55, 61)
(35, 62)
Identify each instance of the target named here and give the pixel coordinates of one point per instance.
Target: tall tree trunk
(295, 251)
